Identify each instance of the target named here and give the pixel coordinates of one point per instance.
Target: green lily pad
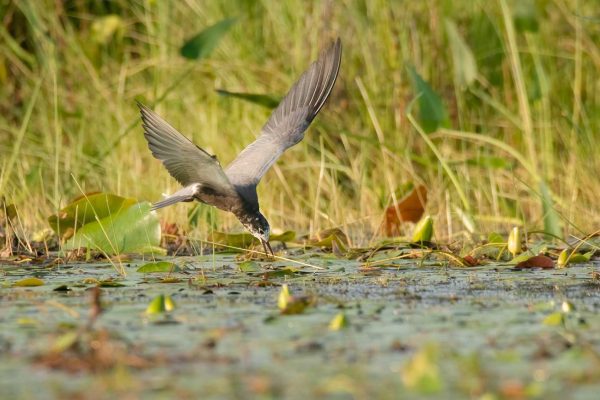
(160, 266)
(87, 209)
(131, 230)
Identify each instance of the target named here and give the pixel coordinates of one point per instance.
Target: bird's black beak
(267, 245)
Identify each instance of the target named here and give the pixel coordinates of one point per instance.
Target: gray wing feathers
(290, 119)
(185, 161)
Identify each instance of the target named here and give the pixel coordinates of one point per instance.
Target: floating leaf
(287, 236)
(465, 67)
(245, 239)
(289, 304)
(410, 208)
(552, 224)
(264, 100)
(109, 283)
(327, 237)
(160, 304)
(423, 231)
(86, 209)
(536, 262)
(514, 241)
(432, 113)
(202, 44)
(553, 319)
(160, 266)
(249, 266)
(284, 296)
(339, 322)
(131, 230)
(422, 372)
(29, 282)
(566, 257)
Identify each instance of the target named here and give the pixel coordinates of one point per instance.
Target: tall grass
(532, 115)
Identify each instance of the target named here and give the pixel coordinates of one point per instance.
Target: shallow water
(414, 328)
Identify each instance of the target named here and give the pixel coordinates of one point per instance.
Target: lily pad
(29, 282)
(160, 266)
(87, 209)
(131, 230)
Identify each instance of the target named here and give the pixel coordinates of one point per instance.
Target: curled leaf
(514, 241)
(160, 304)
(339, 322)
(423, 231)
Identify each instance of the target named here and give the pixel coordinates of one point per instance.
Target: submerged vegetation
(435, 231)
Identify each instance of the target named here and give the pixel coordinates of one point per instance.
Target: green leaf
(264, 100)
(245, 239)
(432, 113)
(131, 230)
(242, 240)
(339, 322)
(160, 304)
(202, 44)
(86, 209)
(554, 319)
(552, 224)
(289, 304)
(495, 237)
(465, 67)
(249, 266)
(160, 266)
(327, 238)
(29, 282)
(423, 230)
(287, 236)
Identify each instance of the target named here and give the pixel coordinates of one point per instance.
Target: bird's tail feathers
(185, 194)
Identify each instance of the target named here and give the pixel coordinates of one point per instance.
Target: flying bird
(233, 189)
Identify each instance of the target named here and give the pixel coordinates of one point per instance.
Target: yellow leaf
(340, 321)
(29, 282)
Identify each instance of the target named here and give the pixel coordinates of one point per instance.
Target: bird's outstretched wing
(185, 161)
(287, 123)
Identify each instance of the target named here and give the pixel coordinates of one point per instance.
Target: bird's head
(259, 227)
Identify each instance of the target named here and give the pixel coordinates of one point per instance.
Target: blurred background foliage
(493, 106)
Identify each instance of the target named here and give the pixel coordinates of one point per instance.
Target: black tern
(233, 189)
